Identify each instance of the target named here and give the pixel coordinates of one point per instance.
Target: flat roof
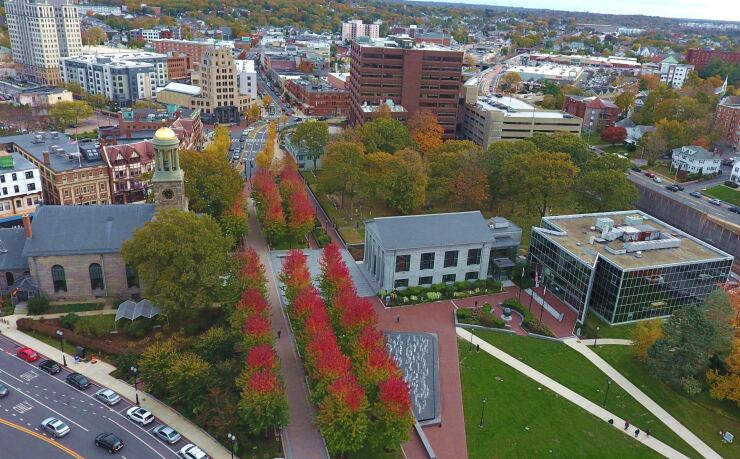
(513, 107)
(578, 229)
(19, 163)
(182, 88)
(552, 70)
(58, 162)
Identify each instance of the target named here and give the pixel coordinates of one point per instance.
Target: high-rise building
(673, 73)
(42, 32)
(407, 78)
(218, 78)
(355, 28)
(727, 117)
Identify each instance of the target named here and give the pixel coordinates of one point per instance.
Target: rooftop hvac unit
(604, 223)
(668, 243)
(633, 220)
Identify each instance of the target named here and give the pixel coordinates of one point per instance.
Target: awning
(132, 311)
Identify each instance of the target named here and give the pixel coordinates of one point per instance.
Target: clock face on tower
(168, 194)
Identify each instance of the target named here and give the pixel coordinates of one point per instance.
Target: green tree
(564, 142)
(212, 185)
(625, 100)
(457, 175)
(605, 163)
(313, 137)
(97, 100)
(495, 157)
(180, 258)
(343, 169)
(385, 134)
(70, 113)
(154, 366)
(604, 190)
(146, 103)
(188, 380)
(215, 345)
(718, 310)
(73, 87)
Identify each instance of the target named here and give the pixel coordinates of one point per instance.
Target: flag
(72, 142)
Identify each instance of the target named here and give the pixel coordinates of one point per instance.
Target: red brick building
(178, 66)
(701, 57)
(412, 77)
(195, 50)
(727, 118)
(318, 98)
(595, 112)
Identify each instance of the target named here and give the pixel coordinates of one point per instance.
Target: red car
(27, 354)
(649, 174)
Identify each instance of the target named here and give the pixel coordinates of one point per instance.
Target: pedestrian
(626, 424)
(637, 432)
(647, 432)
(279, 332)
(611, 422)
(476, 304)
(398, 318)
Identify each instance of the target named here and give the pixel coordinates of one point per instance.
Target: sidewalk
(100, 373)
(607, 341)
(592, 408)
(688, 436)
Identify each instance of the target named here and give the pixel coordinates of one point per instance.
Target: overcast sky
(727, 10)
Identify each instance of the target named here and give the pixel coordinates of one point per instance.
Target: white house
(735, 175)
(694, 159)
(431, 249)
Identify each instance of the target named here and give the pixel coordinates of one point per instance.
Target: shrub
(92, 328)
(538, 327)
(321, 236)
(38, 305)
(691, 386)
(138, 328)
(489, 320)
(27, 324)
(69, 320)
(464, 315)
(731, 184)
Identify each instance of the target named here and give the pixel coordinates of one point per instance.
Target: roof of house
(144, 149)
(74, 230)
(11, 249)
(695, 152)
(69, 154)
(432, 230)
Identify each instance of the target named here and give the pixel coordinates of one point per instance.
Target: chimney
(46, 158)
(27, 226)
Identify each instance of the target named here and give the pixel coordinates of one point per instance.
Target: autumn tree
(212, 185)
(644, 335)
(188, 380)
(458, 175)
(510, 82)
(154, 366)
(296, 205)
(425, 130)
(625, 100)
(342, 417)
(70, 113)
(409, 181)
(613, 134)
(393, 418)
(262, 403)
(385, 134)
(343, 170)
(94, 36)
(652, 146)
(312, 137)
(604, 191)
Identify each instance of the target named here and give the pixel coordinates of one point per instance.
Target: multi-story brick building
(20, 186)
(195, 50)
(727, 119)
(414, 77)
(178, 66)
(595, 112)
(140, 124)
(355, 28)
(318, 98)
(701, 57)
(128, 164)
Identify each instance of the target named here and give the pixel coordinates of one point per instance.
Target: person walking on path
(278, 333)
(626, 424)
(398, 318)
(637, 433)
(647, 432)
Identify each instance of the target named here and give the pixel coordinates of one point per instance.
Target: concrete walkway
(643, 399)
(301, 437)
(592, 408)
(100, 373)
(606, 341)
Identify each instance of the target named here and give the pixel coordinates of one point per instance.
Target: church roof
(76, 230)
(11, 248)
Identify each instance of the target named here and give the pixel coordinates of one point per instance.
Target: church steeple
(168, 180)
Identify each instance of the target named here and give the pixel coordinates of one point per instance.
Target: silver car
(55, 427)
(167, 434)
(107, 396)
(139, 415)
(3, 390)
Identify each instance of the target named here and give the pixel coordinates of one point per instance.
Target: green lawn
(524, 420)
(703, 415)
(620, 149)
(574, 371)
(725, 193)
(623, 331)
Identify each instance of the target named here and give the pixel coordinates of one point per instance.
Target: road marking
(139, 438)
(29, 375)
(42, 437)
(22, 407)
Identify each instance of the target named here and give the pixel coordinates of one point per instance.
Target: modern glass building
(624, 266)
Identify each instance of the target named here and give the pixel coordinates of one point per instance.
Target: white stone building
(673, 73)
(247, 78)
(355, 28)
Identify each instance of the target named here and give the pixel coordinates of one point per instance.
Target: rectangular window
(450, 258)
(473, 257)
(14, 176)
(425, 280)
(472, 275)
(31, 187)
(399, 283)
(427, 261)
(447, 278)
(29, 174)
(403, 263)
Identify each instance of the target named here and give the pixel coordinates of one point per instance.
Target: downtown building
(701, 57)
(353, 29)
(727, 118)
(624, 266)
(406, 77)
(42, 32)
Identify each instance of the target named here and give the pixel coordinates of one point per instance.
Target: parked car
(50, 367)
(27, 354)
(657, 180)
(650, 174)
(680, 188)
(3, 390)
(731, 184)
(715, 201)
(78, 381)
(167, 434)
(190, 451)
(636, 168)
(695, 194)
(55, 427)
(109, 441)
(734, 209)
(108, 396)
(139, 415)
(592, 148)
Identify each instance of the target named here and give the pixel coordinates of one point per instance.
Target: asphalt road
(35, 395)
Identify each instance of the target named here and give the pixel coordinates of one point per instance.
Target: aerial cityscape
(369, 229)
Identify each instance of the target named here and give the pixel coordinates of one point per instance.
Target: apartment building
(40, 34)
(596, 113)
(355, 28)
(196, 50)
(727, 117)
(410, 77)
(20, 186)
(246, 77)
(673, 73)
(317, 97)
(218, 78)
(701, 57)
(122, 77)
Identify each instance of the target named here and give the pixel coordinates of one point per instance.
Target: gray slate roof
(11, 249)
(432, 230)
(73, 230)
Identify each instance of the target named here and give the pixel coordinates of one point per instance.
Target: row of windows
(428, 280)
(403, 262)
(95, 271)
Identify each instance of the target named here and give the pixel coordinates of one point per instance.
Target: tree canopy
(312, 136)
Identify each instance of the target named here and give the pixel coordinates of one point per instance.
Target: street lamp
(60, 334)
(232, 440)
(608, 385)
(135, 372)
(483, 410)
(597, 335)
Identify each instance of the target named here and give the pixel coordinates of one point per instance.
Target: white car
(55, 427)
(139, 415)
(108, 396)
(657, 179)
(190, 451)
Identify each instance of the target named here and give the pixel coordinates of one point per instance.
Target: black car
(78, 381)
(636, 169)
(109, 441)
(679, 187)
(734, 209)
(50, 367)
(673, 188)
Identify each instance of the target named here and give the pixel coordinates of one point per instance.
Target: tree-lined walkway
(571, 396)
(673, 424)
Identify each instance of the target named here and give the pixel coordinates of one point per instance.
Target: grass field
(703, 415)
(524, 420)
(605, 330)
(724, 193)
(574, 371)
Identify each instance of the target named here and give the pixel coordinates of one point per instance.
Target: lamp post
(483, 410)
(608, 385)
(597, 335)
(60, 334)
(232, 440)
(135, 372)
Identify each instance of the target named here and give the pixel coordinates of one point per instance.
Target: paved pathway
(643, 399)
(100, 372)
(301, 437)
(606, 341)
(569, 395)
